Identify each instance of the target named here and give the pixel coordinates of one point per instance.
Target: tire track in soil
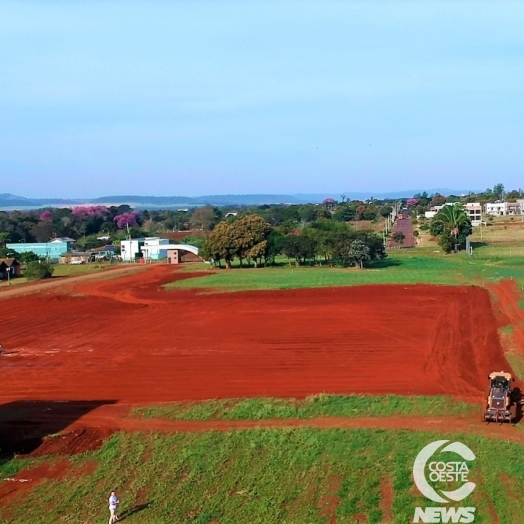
(130, 340)
(112, 418)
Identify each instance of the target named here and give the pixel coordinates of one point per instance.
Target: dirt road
(28, 288)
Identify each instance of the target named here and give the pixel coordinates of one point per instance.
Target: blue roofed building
(51, 251)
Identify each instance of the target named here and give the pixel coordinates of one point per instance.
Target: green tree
(446, 242)
(275, 242)
(384, 211)
(220, 245)
(4, 237)
(398, 237)
(37, 270)
(203, 218)
(249, 235)
(452, 221)
(300, 247)
(345, 213)
(7, 252)
(437, 200)
(498, 191)
(245, 237)
(25, 258)
(359, 252)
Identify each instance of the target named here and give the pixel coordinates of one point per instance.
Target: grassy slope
(401, 267)
(264, 477)
(316, 406)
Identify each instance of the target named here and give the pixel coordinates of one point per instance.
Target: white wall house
(155, 248)
(131, 249)
(433, 211)
(504, 208)
(474, 211)
(152, 248)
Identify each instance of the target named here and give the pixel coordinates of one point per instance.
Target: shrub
(37, 270)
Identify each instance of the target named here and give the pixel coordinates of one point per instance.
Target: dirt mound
(73, 442)
(129, 340)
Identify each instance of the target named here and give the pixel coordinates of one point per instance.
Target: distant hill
(9, 201)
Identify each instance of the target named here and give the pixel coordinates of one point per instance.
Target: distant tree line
(94, 226)
(251, 239)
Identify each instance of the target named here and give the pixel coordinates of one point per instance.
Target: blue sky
(192, 97)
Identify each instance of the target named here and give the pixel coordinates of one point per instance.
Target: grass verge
(65, 270)
(415, 266)
(311, 407)
(265, 477)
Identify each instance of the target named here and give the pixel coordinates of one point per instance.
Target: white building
(434, 210)
(155, 247)
(499, 209)
(474, 211)
(151, 247)
(131, 249)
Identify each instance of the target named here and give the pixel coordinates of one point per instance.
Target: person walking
(113, 508)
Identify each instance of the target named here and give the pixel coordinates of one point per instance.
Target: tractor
(503, 401)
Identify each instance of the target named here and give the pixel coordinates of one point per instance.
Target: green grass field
(14, 281)
(311, 407)
(269, 476)
(409, 266)
(67, 270)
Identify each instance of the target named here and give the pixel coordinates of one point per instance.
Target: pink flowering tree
(85, 212)
(46, 216)
(126, 220)
(413, 202)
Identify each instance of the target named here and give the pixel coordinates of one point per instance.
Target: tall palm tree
(453, 219)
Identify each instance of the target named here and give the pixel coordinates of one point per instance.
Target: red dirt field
(127, 340)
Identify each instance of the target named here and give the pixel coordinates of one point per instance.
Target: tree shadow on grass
(384, 263)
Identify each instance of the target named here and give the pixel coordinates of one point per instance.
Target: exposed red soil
(73, 442)
(112, 419)
(93, 343)
(129, 340)
(386, 499)
(329, 501)
(29, 478)
(507, 308)
(26, 288)
(108, 419)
